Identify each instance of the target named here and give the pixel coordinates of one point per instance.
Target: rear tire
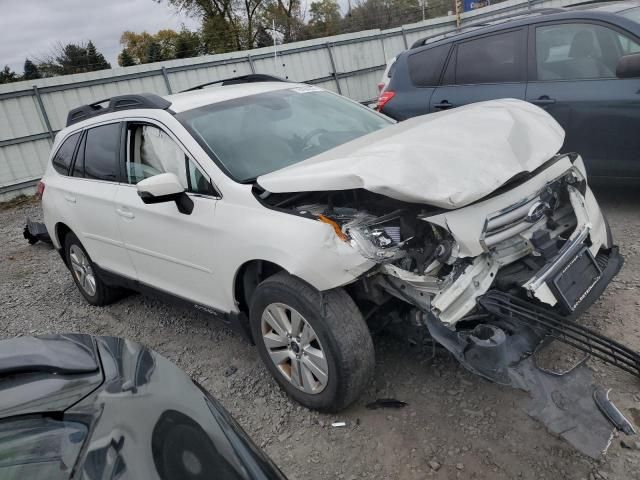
(83, 271)
(318, 334)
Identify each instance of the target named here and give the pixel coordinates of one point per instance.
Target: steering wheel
(313, 133)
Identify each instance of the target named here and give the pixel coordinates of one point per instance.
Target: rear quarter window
(63, 157)
(425, 67)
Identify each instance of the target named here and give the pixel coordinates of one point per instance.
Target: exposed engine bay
(492, 282)
(420, 261)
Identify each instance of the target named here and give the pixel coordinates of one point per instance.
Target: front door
(483, 68)
(171, 251)
(573, 68)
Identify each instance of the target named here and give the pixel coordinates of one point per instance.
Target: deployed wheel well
(248, 277)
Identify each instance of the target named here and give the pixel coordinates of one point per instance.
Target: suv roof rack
(250, 78)
(487, 23)
(119, 102)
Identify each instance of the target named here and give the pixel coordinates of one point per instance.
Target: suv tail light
(40, 189)
(384, 98)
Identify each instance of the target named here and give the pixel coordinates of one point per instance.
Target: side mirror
(628, 66)
(165, 187)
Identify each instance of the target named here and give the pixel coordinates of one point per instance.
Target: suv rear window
(64, 155)
(101, 152)
(494, 59)
(425, 66)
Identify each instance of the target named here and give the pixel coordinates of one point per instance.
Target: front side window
(493, 59)
(39, 448)
(425, 67)
(577, 51)
(152, 152)
(101, 152)
(258, 134)
(64, 155)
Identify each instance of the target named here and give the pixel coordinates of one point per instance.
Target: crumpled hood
(447, 159)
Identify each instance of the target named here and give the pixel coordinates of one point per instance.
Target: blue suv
(581, 64)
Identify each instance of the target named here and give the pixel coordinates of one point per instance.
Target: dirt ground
(455, 426)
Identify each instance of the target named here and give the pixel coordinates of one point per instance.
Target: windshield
(631, 14)
(259, 134)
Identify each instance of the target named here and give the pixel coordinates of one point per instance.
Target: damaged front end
(493, 282)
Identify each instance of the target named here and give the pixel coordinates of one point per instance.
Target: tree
(325, 18)
(72, 58)
(153, 53)
(125, 59)
(95, 60)
(7, 75)
(287, 17)
(163, 45)
(226, 24)
(31, 71)
(187, 44)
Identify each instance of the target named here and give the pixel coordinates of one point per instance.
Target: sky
(30, 28)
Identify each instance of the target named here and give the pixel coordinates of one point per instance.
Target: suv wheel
(316, 346)
(84, 275)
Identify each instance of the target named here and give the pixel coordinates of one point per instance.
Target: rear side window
(493, 59)
(101, 152)
(425, 66)
(64, 155)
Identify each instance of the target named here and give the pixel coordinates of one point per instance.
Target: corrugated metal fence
(31, 113)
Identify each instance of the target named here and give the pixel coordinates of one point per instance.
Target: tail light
(380, 87)
(40, 189)
(384, 98)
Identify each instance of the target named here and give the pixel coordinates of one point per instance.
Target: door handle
(443, 105)
(125, 213)
(544, 100)
(69, 198)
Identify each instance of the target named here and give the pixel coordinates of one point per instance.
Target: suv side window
(496, 58)
(62, 159)
(150, 151)
(98, 156)
(425, 66)
(577, 51)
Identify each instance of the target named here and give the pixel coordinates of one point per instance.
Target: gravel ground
(455, 426)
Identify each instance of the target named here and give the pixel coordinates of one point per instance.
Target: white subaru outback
(303, 219)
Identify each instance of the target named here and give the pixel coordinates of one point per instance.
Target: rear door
(90, 194)
(413, 91)
(572, 68)
(484, 68)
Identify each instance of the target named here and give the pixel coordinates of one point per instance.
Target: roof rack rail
(250, 78)
(119, 102)
(486, 23)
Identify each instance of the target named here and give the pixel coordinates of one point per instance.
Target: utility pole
(424, 5)
(458, 8)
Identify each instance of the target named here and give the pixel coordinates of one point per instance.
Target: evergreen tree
(31, 71)
(153, 53)
(125, 59)
(7, 75)
(95, 60)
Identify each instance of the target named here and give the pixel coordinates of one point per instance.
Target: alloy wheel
(294, 348)
(82, 270)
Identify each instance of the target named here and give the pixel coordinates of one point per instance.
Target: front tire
(316, 345)
(83, 271)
